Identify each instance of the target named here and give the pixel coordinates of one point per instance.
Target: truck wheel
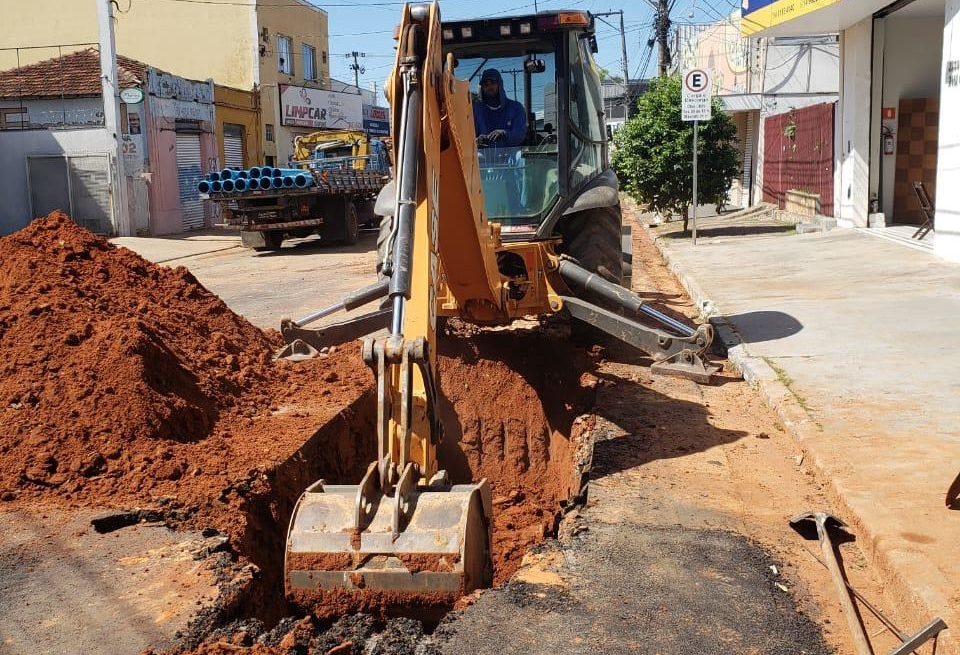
(271, 241)
(368, 218)
(351, 225)
(593, 238)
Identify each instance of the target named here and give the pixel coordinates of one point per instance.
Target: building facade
(781, 95)
(617, 97)
(250, 45)
(56, 153)
(900, 85)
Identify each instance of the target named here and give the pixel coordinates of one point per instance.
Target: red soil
(126, 384)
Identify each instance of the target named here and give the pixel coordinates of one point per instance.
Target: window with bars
(309, 55)
(285, 54)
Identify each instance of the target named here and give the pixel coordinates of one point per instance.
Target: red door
(798, 154)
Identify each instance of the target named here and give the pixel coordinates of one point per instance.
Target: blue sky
(367, 26)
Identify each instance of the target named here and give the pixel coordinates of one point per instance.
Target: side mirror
(593, 45)
(534, 66)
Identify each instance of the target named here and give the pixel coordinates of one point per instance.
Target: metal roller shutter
(233, 146)
(188, 176)
(90, 191)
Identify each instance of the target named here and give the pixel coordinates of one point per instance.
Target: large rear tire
(594, 239)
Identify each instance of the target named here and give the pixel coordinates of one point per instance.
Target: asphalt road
(691, 491)
(629, 588)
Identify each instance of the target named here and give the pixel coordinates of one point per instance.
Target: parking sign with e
(697, 89)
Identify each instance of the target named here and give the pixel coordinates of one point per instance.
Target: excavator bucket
(432, 544)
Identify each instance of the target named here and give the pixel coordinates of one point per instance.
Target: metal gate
(80, 185)
(798, 154)
(233, 146)
(188, 177)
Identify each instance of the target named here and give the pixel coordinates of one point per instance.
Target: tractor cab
(545, 63)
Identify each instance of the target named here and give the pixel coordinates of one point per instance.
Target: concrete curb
(912, 603)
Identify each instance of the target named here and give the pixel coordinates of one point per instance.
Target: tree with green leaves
(653, 155)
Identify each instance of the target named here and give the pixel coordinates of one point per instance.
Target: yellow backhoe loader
(488, 235)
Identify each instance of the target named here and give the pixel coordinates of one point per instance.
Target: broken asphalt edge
(913, 604)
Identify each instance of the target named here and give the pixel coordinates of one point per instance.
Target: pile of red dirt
(123, 382)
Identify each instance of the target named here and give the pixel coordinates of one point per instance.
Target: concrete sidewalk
(851, 339)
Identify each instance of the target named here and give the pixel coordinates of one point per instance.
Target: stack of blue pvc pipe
(257, 178)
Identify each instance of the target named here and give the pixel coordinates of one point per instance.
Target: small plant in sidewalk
(653, 156)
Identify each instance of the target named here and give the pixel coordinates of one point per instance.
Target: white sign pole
(697, 89)
(696, 128)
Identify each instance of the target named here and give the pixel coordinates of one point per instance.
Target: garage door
(233, 145)
(80, 185)
(188, 176)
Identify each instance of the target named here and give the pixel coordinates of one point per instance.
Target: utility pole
(111, 112)
(356, 67)
(514, 72)
(626, 68)
(663, 32)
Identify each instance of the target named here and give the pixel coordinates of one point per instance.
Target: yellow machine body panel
(339, 143)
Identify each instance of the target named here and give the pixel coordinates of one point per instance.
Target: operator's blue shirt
(507, 115)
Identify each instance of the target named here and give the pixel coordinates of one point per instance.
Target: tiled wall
(917, 137)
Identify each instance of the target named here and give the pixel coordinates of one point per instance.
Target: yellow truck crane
(352, 148)
(454, 243)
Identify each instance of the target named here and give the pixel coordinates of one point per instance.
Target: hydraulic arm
(405, 528)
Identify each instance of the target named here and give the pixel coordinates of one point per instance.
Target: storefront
(900, 84)
(183, 148)
(238, 127)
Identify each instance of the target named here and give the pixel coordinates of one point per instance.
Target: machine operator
(500, 122)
